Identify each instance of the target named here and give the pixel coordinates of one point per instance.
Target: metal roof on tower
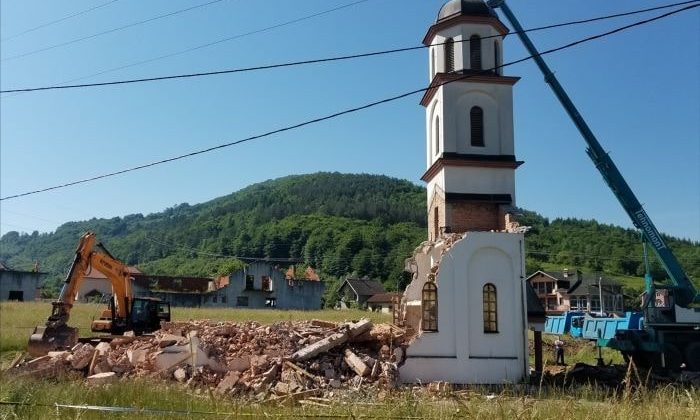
(458, 12)
(455, 8)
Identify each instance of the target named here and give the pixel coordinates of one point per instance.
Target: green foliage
(229, 266)
(594, 246)
(336, 223)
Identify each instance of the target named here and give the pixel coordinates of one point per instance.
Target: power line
(325, 60)
(257, 31)
(44, 25)
(119, 28)
(344, 112)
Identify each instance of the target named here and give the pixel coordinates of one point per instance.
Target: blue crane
(671, 334)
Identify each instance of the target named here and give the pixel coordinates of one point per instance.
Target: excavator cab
(147, 314)
(144, 316)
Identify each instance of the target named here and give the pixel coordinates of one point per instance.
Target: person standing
(559, 351)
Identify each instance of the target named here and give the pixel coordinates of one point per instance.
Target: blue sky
(639, 91)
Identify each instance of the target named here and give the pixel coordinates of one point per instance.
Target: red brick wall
(463, 216)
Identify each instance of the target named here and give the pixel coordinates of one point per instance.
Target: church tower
(470, 156)
(466, 299)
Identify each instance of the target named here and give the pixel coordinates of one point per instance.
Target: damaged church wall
(460, 351)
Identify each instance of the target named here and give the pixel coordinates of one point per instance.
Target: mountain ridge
(338, 223)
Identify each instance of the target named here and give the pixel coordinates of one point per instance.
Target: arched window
(449, 55)
(496, 58)
(437, 136)
(476, 119)
(429, 304)
(490, 309)
(475, 52)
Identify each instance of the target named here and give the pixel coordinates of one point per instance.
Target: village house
(20, 285)
(561, 291)
(95, 287)
(383, 302)
(177, 290)
(356, 292)
(259, 285)
(262, 284)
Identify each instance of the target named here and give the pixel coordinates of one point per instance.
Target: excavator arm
(56, 334)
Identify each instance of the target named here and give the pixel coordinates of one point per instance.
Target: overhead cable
(326, 60)
(44, 25)
(108, 31)
(185, 50)
(344, 112)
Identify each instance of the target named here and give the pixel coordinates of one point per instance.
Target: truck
(670, 334)
(142, 315)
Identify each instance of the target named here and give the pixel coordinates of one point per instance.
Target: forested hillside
(337, 223)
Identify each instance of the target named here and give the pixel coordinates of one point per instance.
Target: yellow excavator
(125, 312)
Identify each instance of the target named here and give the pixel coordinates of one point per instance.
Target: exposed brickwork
(437, 202)
(466, 216)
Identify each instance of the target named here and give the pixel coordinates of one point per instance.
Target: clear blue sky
(639, 91)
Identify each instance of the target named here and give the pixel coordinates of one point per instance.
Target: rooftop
(365, 286)
(455, 8)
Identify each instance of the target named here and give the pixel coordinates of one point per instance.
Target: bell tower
(470, 156)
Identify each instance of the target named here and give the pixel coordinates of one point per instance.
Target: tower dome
(454, 8)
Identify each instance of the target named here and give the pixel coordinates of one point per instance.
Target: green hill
(338, 223)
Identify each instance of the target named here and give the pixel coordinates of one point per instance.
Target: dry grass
(474, 403)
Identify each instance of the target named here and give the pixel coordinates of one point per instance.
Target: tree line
(340, 224)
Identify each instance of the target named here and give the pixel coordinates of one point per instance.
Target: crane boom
(685, 292)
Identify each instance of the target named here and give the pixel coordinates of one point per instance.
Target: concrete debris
(102, 348)
(356, 363)
(81, 357)
(618, 377)
(180, 374)
(286, 360)
(102, 378)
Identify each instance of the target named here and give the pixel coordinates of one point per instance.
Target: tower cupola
(454, 8)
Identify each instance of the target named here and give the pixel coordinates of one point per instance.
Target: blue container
(560, 324)
(603, 329)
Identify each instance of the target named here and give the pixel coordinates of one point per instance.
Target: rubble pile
(279, 360)
(615, 376)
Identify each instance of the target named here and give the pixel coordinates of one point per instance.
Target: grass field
(514, 402)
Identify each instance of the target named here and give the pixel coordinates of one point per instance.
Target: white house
(467, 299)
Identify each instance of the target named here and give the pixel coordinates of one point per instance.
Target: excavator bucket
(46, 339)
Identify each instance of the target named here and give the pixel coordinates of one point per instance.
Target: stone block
(136, 356)
(102, 378)
(239, 364)
(226, 384)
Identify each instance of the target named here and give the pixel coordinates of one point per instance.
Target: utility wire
(119, 28)
(188, 49)
(44, 25)
(346, 111)
(325, 60)
(242, 35)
